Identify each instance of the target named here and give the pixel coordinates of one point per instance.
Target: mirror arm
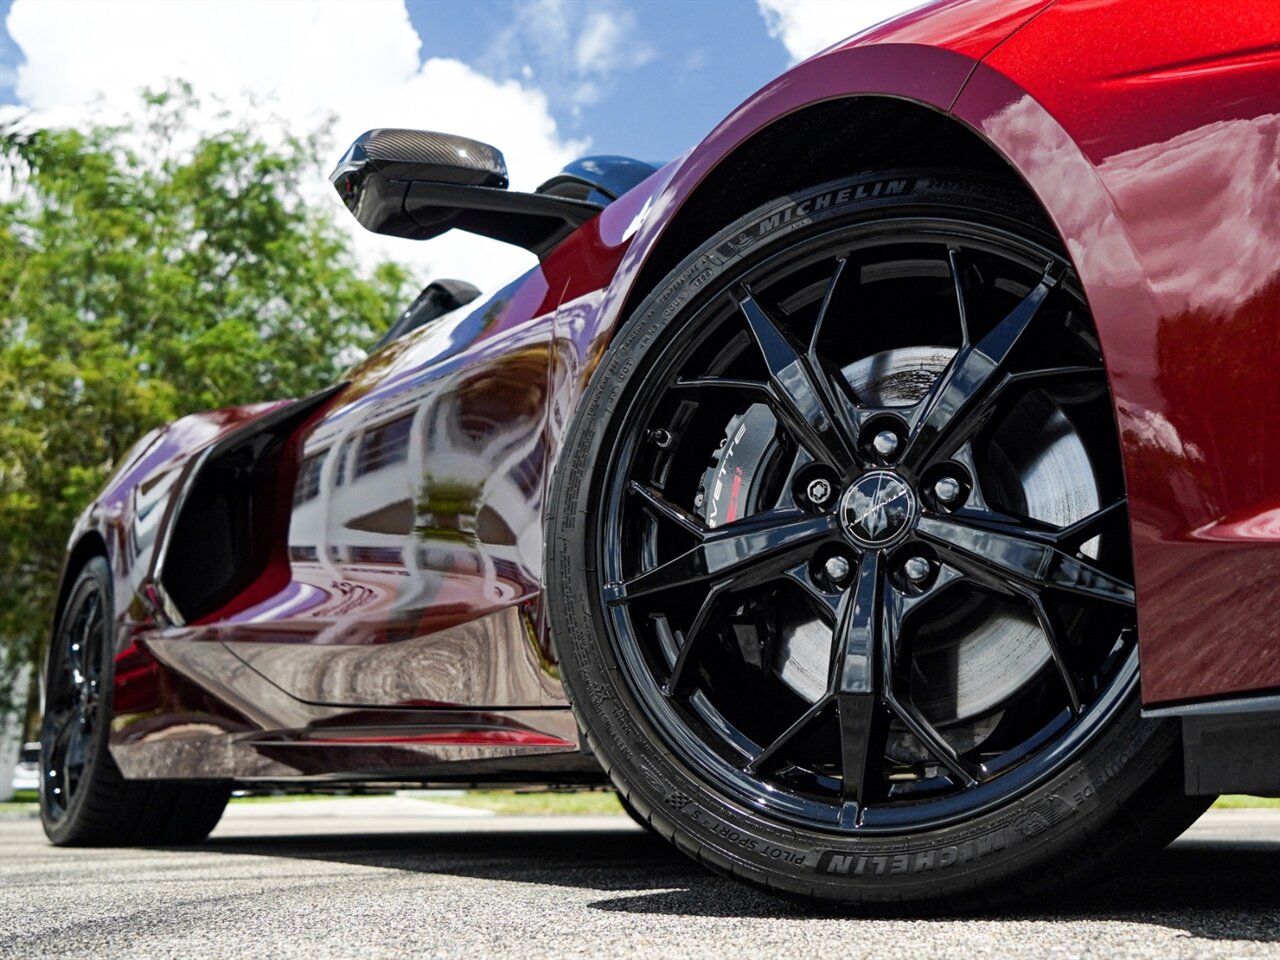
(531, 220)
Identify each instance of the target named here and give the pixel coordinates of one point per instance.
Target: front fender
(125, 518)
(1157, 162)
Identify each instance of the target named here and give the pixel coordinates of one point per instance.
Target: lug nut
(836, 569)
(885, 442)
(916, 569)
(818, 491)
(947, 489)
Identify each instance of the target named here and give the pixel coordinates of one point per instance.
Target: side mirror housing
(418, 184)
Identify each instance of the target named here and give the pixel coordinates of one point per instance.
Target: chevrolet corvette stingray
(883, 497)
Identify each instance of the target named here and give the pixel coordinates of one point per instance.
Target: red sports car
(884, 497)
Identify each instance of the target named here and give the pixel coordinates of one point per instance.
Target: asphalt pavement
(401, 877)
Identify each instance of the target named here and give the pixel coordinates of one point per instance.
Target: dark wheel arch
(91, 544)
(823, 141)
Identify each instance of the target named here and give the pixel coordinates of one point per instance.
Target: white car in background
(26, 775)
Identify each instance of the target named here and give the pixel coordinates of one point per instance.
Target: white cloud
(292, 66)
(573, 50)
(609, 44)
(807, 26)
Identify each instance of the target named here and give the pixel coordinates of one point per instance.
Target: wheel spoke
(90, 619)
(896, 680)
(832, 382)
(761, 759)
(998, 522)
(72, 763)
(933, 741)
(60, 722)
(79, 632)
(1056, 642)
(752, 550)
(77, 738)
(1071, 538)
(858, 631)
(1066, 539)
(1025, 559)
(862, 740)
(675, 683)
(971, 374)
(824, 310)
(859, 644)
(796, 389)
(56, 736)
(826, 605)
(957, 280)
(799, 459)
(1006, 386)
(661, 507)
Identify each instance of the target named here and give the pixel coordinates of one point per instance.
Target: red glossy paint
(414, 536)
(1150, 136)
(971, 28)
(130, 512)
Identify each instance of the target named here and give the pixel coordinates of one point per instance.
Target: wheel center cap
(878, 508)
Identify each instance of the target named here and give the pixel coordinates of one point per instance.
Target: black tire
(1116, 791)
(640, 819)
(89, 802)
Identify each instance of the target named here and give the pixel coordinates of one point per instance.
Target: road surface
(400, 877)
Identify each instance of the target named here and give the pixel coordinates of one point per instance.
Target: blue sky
(10, 56)
(706, 56)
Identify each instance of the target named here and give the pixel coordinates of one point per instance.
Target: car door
(415, 539)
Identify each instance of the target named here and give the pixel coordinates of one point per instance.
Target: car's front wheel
(840, 556)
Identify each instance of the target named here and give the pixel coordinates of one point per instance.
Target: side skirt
(1229, 746)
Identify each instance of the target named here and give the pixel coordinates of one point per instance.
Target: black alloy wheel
(860, 556)
(875, 518)
(69, 732)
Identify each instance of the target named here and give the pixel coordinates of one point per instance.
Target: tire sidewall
(1041, 828)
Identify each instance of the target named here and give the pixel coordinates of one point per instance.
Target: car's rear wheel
(84, 799)
(841, 556)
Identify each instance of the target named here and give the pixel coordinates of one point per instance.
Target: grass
(512, 802)
(508, 802)
(542, 802)
(1241, 802)
(24, 801)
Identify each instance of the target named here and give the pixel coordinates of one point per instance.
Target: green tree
(138, 283)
